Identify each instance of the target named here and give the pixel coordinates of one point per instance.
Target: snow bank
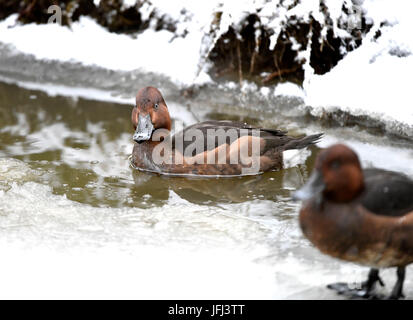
(180, 55)
(369, 81)
(373, 80)
(91, 44)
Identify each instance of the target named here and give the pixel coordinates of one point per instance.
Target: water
(77, 221)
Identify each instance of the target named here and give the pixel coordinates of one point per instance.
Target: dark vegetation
(242, 55)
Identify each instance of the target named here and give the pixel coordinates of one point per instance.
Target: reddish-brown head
(337, 175)
(149, 114)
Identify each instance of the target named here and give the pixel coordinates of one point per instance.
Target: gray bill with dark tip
(144, 129)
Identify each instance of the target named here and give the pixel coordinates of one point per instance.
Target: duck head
(150, 113)
(337, 176)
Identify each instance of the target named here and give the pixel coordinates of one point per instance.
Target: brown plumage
(208, 148)
(363, 216)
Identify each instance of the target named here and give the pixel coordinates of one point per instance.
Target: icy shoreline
(369, 86)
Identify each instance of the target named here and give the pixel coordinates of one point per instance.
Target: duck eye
(335, 164)
(156, 106)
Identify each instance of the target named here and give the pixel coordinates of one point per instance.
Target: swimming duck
(213, 148)
(363, 216)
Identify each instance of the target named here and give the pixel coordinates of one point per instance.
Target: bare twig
(279, 73)
(239, 63)
(254, 55)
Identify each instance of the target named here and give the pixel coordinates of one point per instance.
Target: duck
(364, 216)
(209, 148)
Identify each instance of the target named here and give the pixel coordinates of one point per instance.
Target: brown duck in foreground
(363, 216)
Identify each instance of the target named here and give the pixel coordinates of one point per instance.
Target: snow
(369, 81)
(91, 44)
(288, 89)
(374, 79)
(295, 157)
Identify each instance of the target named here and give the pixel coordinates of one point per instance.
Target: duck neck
(146, 147)
(147, 156)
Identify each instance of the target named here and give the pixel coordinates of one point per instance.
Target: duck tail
(300, 143)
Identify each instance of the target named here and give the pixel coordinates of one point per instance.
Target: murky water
(77, 221)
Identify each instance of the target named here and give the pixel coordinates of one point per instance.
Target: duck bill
(144, 129)
(313, 187)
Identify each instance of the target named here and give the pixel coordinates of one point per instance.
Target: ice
(177, 251)
(180, 250)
